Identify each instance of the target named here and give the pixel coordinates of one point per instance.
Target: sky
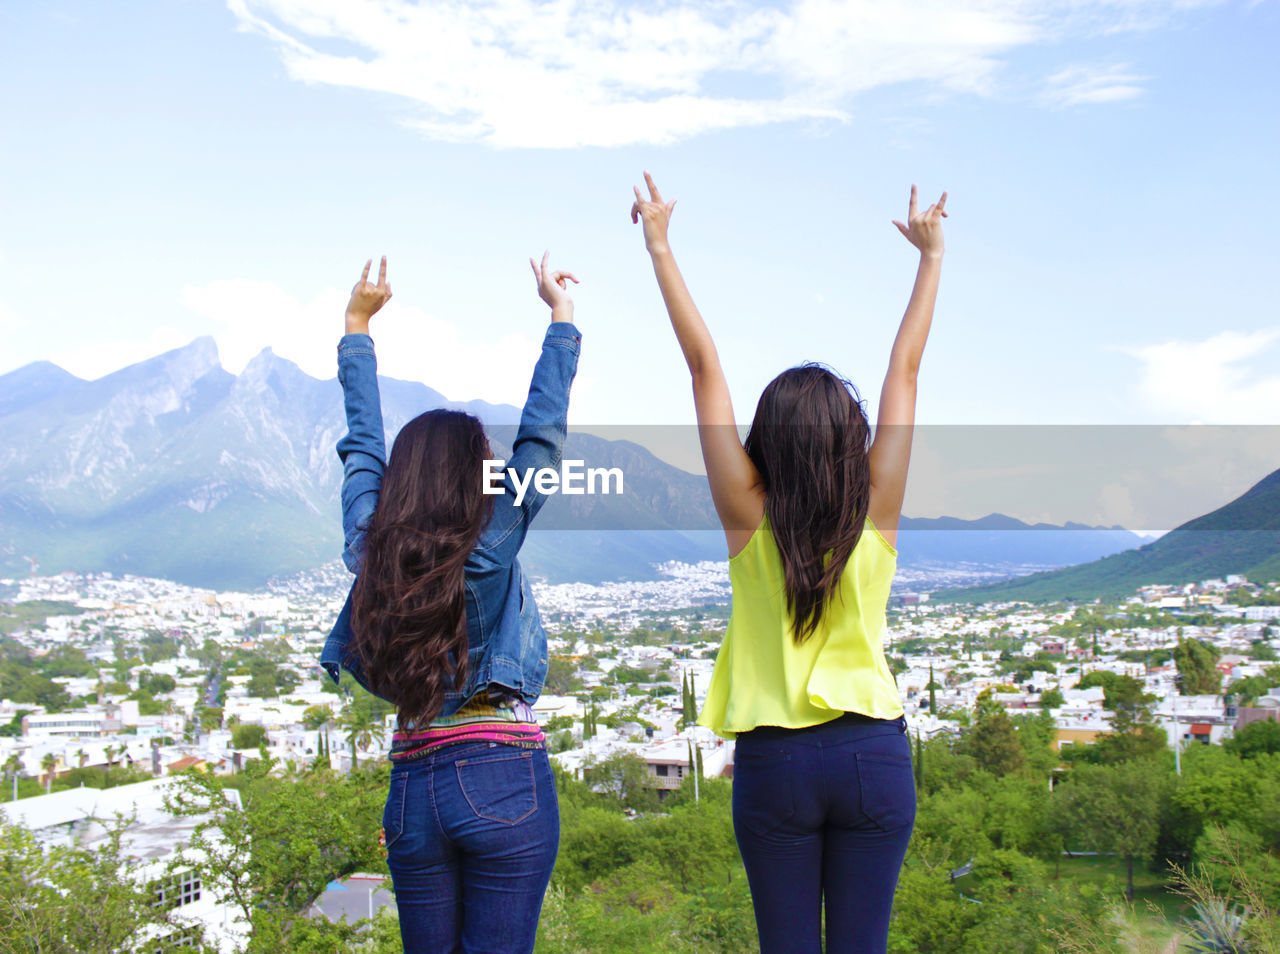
(180, 168)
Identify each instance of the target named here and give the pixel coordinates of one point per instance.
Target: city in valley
(136, 680)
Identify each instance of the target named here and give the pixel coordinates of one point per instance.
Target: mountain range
(1242, 536)
(175, 468)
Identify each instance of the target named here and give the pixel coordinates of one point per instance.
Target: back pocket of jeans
(762, 796)
(393, 813)
(499, 788)
(888, 790)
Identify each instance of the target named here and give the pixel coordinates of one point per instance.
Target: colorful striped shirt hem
(506, 724)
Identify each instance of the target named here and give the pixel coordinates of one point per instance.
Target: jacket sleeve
(362, 451)
(363, 448)
(539, 441)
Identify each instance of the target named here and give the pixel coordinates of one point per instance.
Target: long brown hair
(809, 441)
(408, 611)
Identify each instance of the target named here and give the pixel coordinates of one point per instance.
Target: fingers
(911, 206)
(560, 277)
(364, 276)
(901, 228)
(671, 207)
(537, 275)
(542, 269)
(942, 205)
(654, 194)
(635, 212)
(382, 271)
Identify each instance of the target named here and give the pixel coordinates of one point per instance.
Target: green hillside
(1240, 537)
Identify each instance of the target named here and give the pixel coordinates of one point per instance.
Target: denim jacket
(508, 646)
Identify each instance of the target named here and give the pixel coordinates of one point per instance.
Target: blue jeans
(824, 813)
(472, 833)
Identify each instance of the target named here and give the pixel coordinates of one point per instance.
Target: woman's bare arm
(891, 449)
(736, 488)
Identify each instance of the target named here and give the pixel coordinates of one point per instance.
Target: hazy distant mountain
(175, 468)
(997, 538)
(1242, 536)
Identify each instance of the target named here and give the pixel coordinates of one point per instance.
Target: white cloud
(248, 315)
(1085, 85)
(567, 73)
(1225, 379)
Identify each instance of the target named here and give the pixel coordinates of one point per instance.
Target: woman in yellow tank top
(823, 800)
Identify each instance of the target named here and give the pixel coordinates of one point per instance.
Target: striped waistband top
(507, 722)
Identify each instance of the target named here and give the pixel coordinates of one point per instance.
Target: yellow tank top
(763, 677)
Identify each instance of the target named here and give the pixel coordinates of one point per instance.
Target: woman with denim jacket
(823, 799)
(441, 622)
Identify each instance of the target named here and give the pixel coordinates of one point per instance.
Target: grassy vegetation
(1151, 891)
(18, 616)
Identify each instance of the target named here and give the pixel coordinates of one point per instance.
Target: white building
(81, 723)
(152, 841)
(1187, 719)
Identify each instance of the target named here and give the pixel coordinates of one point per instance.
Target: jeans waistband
(851, 725)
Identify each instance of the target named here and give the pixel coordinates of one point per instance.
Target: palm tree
(48, 763)
(362, 728)
(13, 768)
(111, 762)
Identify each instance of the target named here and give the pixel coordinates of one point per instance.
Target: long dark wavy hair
(408, 612)
(810, 441)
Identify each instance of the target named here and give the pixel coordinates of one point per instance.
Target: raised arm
(363, 448)
(736, 488)
(891, 449)
(539, 441)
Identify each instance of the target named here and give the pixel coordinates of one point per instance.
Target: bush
(248, 737)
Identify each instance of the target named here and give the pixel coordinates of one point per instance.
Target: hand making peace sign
(367, 298)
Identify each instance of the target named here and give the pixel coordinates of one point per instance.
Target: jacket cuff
(355, 344)
(564, 334)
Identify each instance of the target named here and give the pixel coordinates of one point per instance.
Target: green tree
(49, 763)
(562, 676)
(316, 717)
(1114, 808)
(12, 770)
(272, 856)
(248, 737)
(993, 740)
(1254, 739)
(624, 779)
(1135, 736)
(76, 900)
(361, 728)
(158, 683)
(1248, 690)
(1197, 663)
(1052, 699)
(689, 700)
